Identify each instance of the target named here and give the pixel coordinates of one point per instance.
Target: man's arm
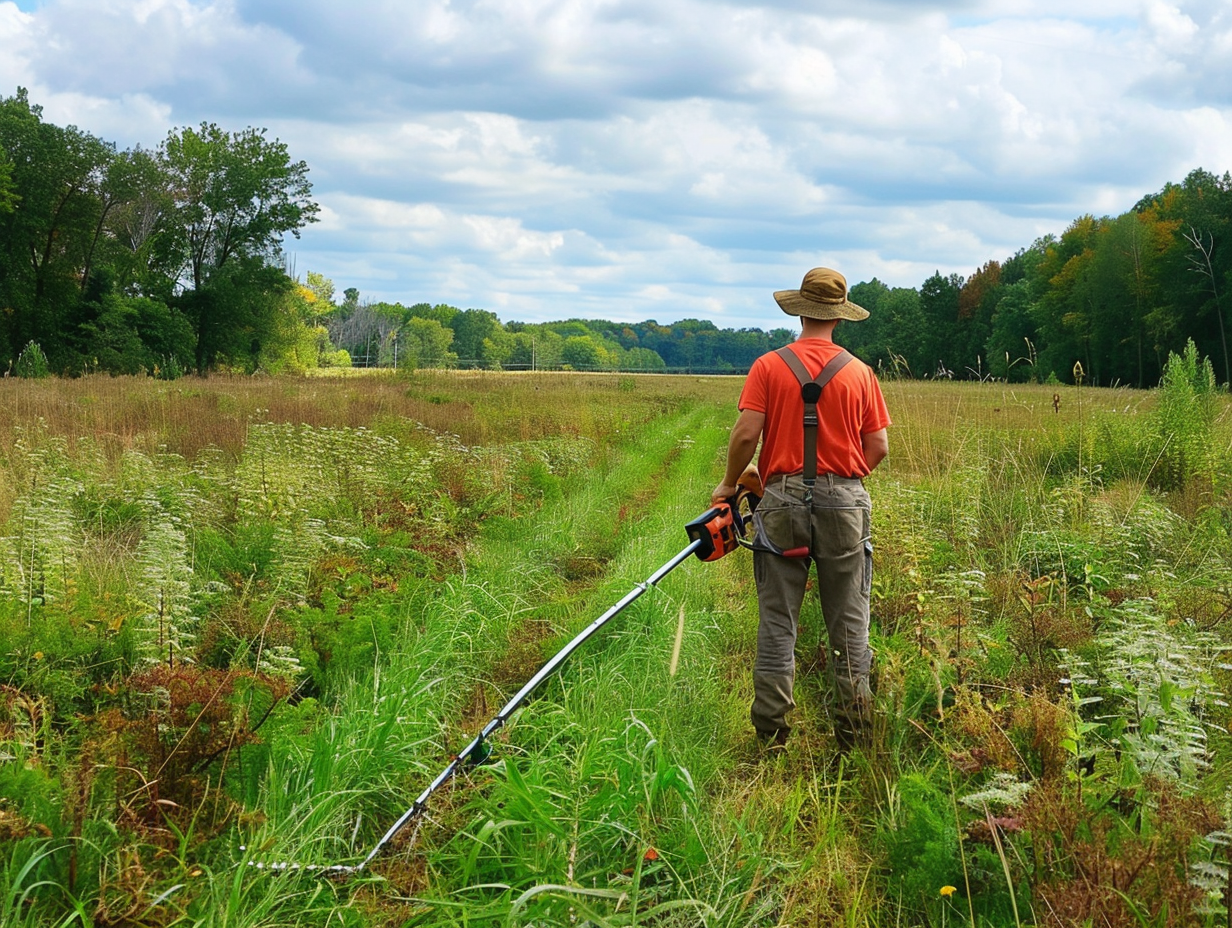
(876, 447)
(745, 435)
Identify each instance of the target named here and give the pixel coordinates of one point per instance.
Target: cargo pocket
(782, 526)
(867, 585)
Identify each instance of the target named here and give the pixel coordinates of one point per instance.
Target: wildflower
(948, 890)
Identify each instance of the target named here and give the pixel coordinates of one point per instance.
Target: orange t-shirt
(851, 405)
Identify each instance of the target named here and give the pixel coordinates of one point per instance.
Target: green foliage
(8, 199)
(235, 194)
(1184, 416)
(425, 343)
(236, 312)
(31, 363)
(583, 353)
(920, 838)
(122, 334)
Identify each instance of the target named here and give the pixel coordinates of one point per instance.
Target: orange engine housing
(717, 531)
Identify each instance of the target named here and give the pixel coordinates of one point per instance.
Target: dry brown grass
(936, 424)
(188, 415)
(941, 424)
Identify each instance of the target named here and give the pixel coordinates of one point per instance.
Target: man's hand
(723, 492)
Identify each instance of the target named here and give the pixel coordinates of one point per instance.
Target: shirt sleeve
(755, 394)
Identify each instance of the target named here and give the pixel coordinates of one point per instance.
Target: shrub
(1184, 418)
(168, 368)
(177, 721)
(32, 363)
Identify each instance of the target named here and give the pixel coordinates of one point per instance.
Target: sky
(657, 159)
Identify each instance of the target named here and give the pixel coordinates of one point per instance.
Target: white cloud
(16, 39)
(1173, 30)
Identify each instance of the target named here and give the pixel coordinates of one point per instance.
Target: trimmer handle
(720, 528)
(751, 490)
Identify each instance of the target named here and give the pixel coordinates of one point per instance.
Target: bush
(32, 363)
(1184, 418)
(168, 368)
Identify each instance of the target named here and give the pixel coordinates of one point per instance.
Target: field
(249, 620)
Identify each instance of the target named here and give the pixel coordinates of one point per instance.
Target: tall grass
(354, 575)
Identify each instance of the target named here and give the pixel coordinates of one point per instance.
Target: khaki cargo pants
(835, 530)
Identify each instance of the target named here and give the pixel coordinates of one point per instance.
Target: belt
(834, 480)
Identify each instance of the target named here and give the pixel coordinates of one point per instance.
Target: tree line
(1106, 302)
(170, 260)
(392, 335)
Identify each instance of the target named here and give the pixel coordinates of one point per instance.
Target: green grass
(361, 572)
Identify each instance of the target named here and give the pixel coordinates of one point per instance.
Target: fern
(39, 556)
(1157, 679)
(164, 596)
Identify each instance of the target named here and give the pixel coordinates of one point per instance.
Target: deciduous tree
(234, 196)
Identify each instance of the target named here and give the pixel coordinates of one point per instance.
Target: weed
(1183, 419)
(31, 363)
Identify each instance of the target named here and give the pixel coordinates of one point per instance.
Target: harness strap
(810, 391)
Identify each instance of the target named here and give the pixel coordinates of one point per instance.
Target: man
(797, 525)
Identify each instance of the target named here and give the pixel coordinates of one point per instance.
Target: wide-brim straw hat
(823, 295)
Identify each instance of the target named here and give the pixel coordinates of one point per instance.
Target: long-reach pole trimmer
(716, 532)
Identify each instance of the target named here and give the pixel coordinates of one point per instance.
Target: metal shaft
(473, 751)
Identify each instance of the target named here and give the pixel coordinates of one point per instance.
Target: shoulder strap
(810, 391)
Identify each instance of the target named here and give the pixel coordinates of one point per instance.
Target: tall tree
(1202, 261)
(1197, 268)
(234, 196)
(136, 223)
(1062, 315)
(470, 328)
(426, 343)
(940, 351)
(906, 351)
(977, 302)
(1011, 343)
(44, 241)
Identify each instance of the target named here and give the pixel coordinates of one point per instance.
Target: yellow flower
(948, 890)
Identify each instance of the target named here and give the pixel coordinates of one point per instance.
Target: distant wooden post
(1056, 402)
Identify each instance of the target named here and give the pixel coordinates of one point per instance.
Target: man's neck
(817, 328)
